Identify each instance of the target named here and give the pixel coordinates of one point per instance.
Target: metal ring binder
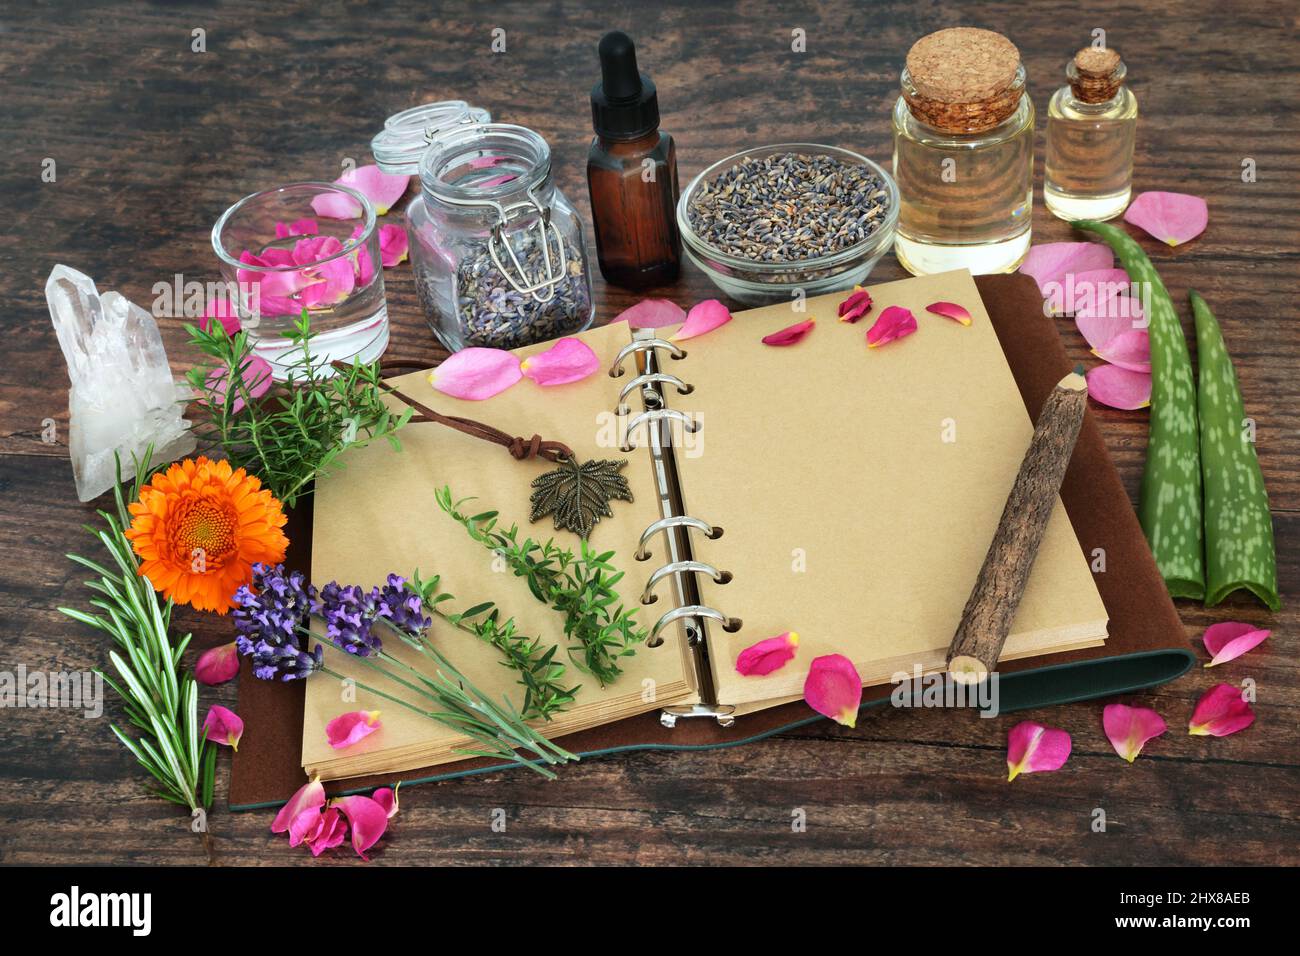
(673, 521)
(692, 567)
(690, 610)
(688, 423)
(675, 525)
(643, 345)
(647, 380)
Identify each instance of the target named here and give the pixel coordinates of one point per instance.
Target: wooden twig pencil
(993, 601)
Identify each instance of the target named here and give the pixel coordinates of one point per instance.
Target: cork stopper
(963, 79)
(1096, 75)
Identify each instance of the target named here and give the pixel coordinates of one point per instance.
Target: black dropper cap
(624, 104)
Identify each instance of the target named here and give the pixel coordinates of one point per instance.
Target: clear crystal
(123, 397)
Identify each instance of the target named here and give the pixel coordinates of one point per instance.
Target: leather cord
(519, 447)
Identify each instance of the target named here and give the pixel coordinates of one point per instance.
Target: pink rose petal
(790, 334)
(315, 248)
(368, 818)
(1033, 748)
(704, 317)
(1086, 289)
(1129, 728)
(1119, 387)
(767, 655)
(497, 180)
(218, 665)
(329, 832)
(299, 227)
(894, 323)
(855, 306)
(1220, 712)
(1228, 640)
(304, 826)
(568, 360)
(271, 285)
(346, 729)
(393, 244)
(337, 278)
(365, 264)
(223, 311)
(1170, 217)
(256, 373)
(223, 726)
(834, 689)
(950, 310)
(386, 797)
(309, 796)
(653, 314)
(1107, 314)
(1130, 350)
(381, 188)
(1050, 262)
(476, 373)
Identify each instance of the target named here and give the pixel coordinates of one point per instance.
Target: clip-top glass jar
(963, 154)
(498, 251)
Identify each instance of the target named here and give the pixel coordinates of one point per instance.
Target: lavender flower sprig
(272, 620)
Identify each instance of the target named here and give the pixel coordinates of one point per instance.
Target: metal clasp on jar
(542, 286)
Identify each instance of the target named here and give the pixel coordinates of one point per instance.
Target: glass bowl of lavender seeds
(795, 216)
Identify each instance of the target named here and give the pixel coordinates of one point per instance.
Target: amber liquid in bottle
(1091, 129)
(633, 188)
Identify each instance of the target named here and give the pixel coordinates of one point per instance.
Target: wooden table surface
(152, 141)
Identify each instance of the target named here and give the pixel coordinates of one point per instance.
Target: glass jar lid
(406, 135)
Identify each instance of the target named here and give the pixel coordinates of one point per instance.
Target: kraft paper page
(378, 515)
(860, 488)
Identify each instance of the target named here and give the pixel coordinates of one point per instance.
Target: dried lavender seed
(788, 207)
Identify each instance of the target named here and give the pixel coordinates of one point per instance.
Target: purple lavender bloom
(403, 607)
(268, 620)
(349, 613)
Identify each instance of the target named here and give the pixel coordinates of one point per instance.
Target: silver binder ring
(683, 567)
(691, 425)
(690, 610)
(645, 381)
(673, 521)
(643, 345)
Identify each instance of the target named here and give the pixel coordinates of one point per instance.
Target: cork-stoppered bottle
(963, 154)
(631, 174)
(1091, 128)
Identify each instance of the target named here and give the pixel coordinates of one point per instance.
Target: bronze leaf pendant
(577, 495)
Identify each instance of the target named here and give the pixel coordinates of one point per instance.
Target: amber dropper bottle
(631, 174)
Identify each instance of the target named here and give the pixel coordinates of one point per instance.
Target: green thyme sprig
(582, 587)
(540, 674)
(296, 432)
(159, 696)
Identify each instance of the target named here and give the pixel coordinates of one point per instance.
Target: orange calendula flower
(199, 527)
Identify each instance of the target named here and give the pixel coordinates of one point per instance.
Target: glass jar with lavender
(498, 251)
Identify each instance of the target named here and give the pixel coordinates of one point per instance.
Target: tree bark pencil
(986, 620)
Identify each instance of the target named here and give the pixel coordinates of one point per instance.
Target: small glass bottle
(631, 174)
(963, 154)
(1091, 127)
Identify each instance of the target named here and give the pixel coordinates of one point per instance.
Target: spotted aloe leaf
(1170, 506)
(1239, 549)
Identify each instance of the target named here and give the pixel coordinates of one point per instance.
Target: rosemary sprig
(160, 697)
(540, 674)
(582, 587)
(297, 431)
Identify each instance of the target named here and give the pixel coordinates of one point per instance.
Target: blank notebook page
(859, 489)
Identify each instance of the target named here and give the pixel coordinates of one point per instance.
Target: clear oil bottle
(963, 154)
(1091, 129)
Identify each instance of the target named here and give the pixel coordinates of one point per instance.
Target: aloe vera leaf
(1239, 551)
(1169, 507)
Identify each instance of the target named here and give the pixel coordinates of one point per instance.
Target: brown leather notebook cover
(1146, 644)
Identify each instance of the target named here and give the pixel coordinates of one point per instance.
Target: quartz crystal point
(123, 397)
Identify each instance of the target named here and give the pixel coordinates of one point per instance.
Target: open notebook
(855, 490)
